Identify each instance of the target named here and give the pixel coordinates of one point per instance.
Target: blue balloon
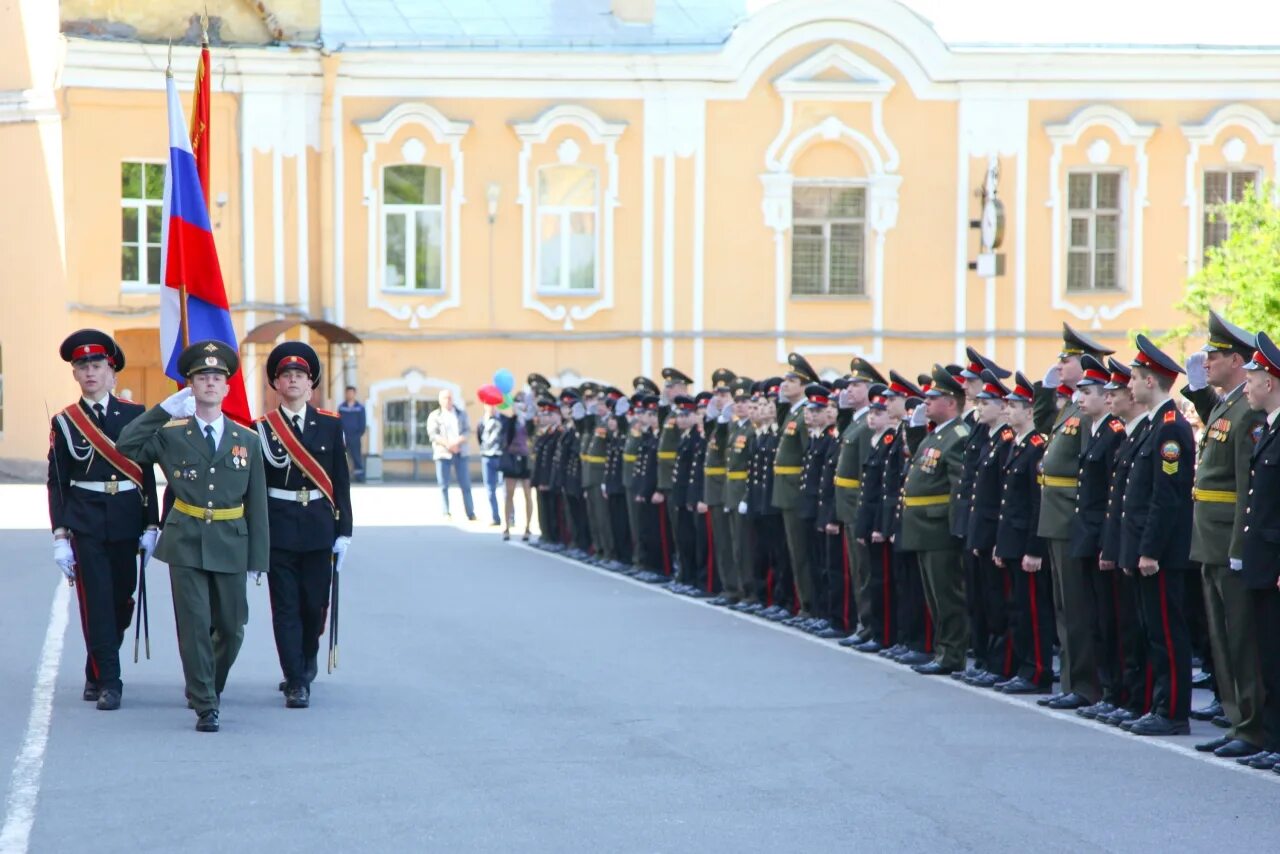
(505, 382)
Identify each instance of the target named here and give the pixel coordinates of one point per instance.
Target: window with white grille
(142, 215)
(1222, 186)
(568, 202)
(828, 241)
(413, 228)
(1095, 211)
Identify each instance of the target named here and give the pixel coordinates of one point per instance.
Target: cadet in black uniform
(569, 470)
(1156, 540)
(819, 418)
(544, 455)
(840, 605)
(309, 507)
(102, 508)
(615, 491)
(772, 571)
(686, 491)
(874, 520)
(656, 550)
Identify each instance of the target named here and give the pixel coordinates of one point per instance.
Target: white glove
(340, 545)
(147, 542)
(180, 404)
(578, 412)
(622, 407)
(1237, 564)
(1197, 374)
(742, 508)
(844, 398)
(919, 417)
(1053, 376)
(64, 557)
(713, 410)
(726, 416)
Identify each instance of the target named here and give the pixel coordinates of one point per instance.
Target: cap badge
(211, 360)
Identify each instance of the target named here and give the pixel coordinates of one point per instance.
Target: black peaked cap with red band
(1120, 375)
(1153, 358)
(1095, 373)
(293, 355)
(992, 388)
(92, 344)
(979, 363)
(1266, 357)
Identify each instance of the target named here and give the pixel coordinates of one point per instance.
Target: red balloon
(489, 394)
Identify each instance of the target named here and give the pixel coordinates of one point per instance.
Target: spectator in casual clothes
(514, 462)
(449, 430)
(489, 436)
(351, 413)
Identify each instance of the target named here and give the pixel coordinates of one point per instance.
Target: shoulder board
(1006, 434)
(1116, 425)
(962, 430)
(177, 422)
(1170, 416)
(328, 412)
(888, 438)
(1036, 439)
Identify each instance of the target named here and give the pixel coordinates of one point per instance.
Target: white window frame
(1122, 230)
(137, 286)
(1206, 207)
(565, 214)
(862, 293)
(409, 215)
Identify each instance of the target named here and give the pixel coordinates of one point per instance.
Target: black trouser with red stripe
(662, 534)
(620, 520)
(579, 526)
(1266, 619)
(1161, 599)
(771, 567)
(989, 615)
(915, 623)
(829, 573)
(1033, 619)
(299, 587)
(106, 573)
(1136, 673)
(693, 545)
(548, 516)
(1116, 617)
(880, 593)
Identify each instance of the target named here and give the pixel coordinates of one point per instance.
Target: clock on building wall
(991, 226)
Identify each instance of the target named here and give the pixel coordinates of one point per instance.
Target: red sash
(300, 455)
(102, 444)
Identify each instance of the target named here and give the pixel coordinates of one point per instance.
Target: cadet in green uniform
(788, 463)
(1066, 430)
(1215, 384)
(736, 575)
(719, 414)
(217, 530)
(929, 496)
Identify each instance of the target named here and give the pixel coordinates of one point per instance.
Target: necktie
(99, 413)
(297, 424)
(213, 443)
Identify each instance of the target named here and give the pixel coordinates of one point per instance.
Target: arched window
(413, 228)
(568, 201)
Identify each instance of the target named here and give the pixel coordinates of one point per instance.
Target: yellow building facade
(811, 178)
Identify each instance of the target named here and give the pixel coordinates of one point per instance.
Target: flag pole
(182, 288)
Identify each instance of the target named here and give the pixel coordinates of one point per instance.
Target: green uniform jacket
(1066, 432)
(931, 490)
(225, 480)
(630, 453)
(793, 441)
(595, 452)
(668, 441)
(1231, 429)
(713, 477)
(855, 447)
(737, 463)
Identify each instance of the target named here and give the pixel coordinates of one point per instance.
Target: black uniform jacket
(1113, 527)
(1262, 525)
(1016, 535)
(1157, 500)
(1097, 460)
(988, 487)
(313, 526)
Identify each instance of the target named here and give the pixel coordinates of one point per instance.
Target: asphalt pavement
(490, 697)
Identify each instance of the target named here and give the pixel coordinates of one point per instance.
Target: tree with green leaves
(1241, 275)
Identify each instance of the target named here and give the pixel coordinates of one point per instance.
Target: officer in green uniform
(930, 495)
(736, 574)
(719, 414)
(1073, 600)
(674, 384)
(217, 529)
(855, 447)
(788, 463)
(1215, 385)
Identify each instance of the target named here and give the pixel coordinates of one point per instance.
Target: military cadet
(1215, 385)
(615, 492)
(739, 587)
(873, 523)
(793, 439)
(930, 492)
(1021, 550)
(1260, 557)
(641, 549)
(653, 515)
(309, 507)
(674, 383)
(995, 662)
(1123, 621)
(691, 546)
(1097, 462)
(102, 508)
(982, 587)
(592, 453)
(839, 609)
(217, 530)
(772, 572)
(1072, 587)
(821, 438)
(1156, 539)
(855, 445)
(568, 467)
(545, 444)
(716, 430)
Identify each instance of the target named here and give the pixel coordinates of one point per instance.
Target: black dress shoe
(1160, 725)
(207, 721)
(108, 700)
(933, 668)
(1236, 748)
(1019, 685)
(987, 680)
(966, 674)
(297, 698)
(1207, 713)
(870, 646)
(863, 634)
(894, 651)
(1221, 722)
(1102, 707)
(1127, 725)
(1202, 680)
(1212, 746)
(914, 659)
(1068, 702)
(1118, 717)
(1044, 701)
(1262, 761)
(850, 641)
(91, 692)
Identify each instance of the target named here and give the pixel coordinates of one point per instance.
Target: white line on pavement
(1164, 744)
(24, 787)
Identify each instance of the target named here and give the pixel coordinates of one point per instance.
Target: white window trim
(1232, 169)
(445, 132)
(1122, 235)
(413, 383)
(839, 183)
(411, 234)
(565, 213)
(136, 287)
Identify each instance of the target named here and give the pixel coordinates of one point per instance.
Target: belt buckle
(208, 515)
(304, 497)
(113, 486)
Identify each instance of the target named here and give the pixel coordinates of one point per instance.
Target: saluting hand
(180, 404)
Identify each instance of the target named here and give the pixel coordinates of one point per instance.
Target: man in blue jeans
(489, 435)
(448, 430)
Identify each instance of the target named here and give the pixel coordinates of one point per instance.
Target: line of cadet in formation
(969, 512)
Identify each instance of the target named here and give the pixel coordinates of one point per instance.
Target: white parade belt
(302, 496)
(110, 487)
